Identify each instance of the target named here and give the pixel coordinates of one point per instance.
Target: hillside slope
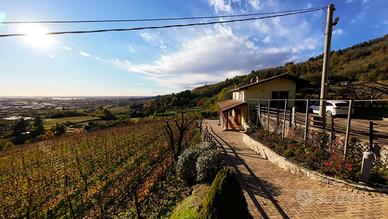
(364, 62)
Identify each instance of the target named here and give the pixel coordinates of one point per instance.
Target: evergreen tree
(38, 127)
(108, 115)
(59, 129)
(20, 127)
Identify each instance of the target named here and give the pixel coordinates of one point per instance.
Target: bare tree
(182, 127)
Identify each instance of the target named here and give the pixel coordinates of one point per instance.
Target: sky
(156, 62)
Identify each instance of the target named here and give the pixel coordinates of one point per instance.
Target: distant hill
(366, 62)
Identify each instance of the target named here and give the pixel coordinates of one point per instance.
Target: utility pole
(326, 57)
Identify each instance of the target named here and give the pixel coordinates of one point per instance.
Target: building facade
(236, 113)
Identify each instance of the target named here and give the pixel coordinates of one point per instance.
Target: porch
(232, 115)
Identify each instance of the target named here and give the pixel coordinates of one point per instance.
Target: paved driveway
(272, 192)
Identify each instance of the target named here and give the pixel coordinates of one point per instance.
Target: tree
(20, 127)
(108, 115)
(38, 127)
(59, 129)
(182, 126)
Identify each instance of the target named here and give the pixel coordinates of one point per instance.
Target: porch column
(227, 119)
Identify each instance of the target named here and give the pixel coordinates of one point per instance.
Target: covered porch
(232, 114)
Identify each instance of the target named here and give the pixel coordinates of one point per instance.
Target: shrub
(185, 165)
(209, 114)
(207, 145)
(208, 164)
(225, 199)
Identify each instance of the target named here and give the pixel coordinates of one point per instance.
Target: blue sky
(155, 62)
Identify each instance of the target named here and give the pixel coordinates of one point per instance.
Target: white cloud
(221, 6)
(140, 68)
(255, 4)
(267, 39)
(209, 58)
(96, 58)
(149, 36)
(338, 31)
(140, 84)
(262, 26)
(154, 39)
(162, 46)
(205, 55)
(51, 56)
(309, 5)
(131, 49)
(67, 48)
(364, 2)
(279, 28)
(307, 44)
(83, 53)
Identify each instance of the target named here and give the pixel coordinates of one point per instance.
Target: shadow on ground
(253, 185)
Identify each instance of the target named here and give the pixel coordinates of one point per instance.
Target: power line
(164, 26)
(155, 19)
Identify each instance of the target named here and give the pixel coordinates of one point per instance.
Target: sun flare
(36, 35)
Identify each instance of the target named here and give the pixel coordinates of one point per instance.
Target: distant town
(14, 108)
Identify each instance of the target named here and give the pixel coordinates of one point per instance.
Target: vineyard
(106, 173)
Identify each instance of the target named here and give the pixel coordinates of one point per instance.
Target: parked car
(333, 107)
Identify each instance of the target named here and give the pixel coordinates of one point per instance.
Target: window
(279, 95)
(342, 104)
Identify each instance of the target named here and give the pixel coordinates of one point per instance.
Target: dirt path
(271, 192)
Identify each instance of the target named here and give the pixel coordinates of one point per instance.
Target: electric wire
(155, 19)
(165, 26)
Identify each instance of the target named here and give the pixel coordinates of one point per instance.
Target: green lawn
(48, 123)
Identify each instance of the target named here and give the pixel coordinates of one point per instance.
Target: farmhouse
(235, 113)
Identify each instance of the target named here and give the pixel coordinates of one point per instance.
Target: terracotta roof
(284, 75)
(229, 104)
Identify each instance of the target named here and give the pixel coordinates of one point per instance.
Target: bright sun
(36, 35)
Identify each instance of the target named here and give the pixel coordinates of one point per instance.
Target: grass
(189, 207)
(48, 123)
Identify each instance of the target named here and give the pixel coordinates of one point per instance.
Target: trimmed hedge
(225, 199)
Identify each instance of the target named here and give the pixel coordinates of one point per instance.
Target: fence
(345, 123)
